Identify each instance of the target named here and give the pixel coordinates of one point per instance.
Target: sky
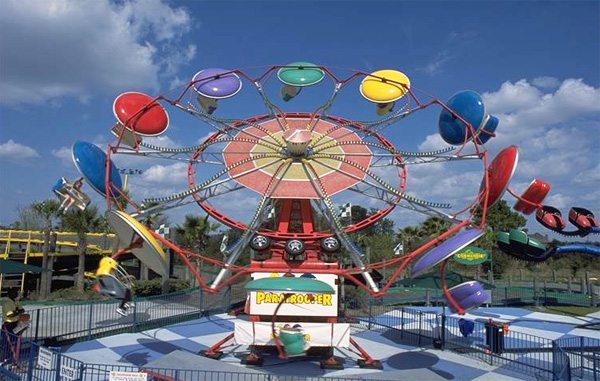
(536, 65)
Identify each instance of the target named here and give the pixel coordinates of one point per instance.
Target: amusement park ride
(298, 162)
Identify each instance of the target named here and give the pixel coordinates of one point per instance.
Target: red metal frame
(286, 219)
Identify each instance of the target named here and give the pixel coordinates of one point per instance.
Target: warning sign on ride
(296, 304)
(127, 376)
(45, 358)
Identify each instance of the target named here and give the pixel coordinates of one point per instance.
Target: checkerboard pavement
(400, 361)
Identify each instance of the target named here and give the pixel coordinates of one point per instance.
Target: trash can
(494, 337)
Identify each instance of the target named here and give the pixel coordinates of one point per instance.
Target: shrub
(154, 286)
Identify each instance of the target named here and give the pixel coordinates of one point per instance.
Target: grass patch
(565, 310)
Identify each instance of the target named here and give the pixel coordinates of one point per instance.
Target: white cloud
(162, 141)
(560, 201)
(546, 83)
(16, 151)
(64, 154)
(173, 174)
(530, 118)
(432, 143)
(77, 48)
(556, 126)
(512, 97)
(435, 65)
(589, 176)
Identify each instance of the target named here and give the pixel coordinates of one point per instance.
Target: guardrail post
(420, 324)
(402, 323)
(37, 324)
(58, 361)
(91, 314)
(370, 312)
(201, 302)
(581, 362)
(32, 347)
(595, 365)
(492, 345)
(135, 320)
(443, 330)
(81, 367)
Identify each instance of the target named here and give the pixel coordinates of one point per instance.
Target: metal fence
(536, 356)
(34, 362)
(583, 354)
(84, 321)
(500, 296)
(540, 357)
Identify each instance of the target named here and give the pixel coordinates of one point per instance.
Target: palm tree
(154, 219)
(194, 232)
(410, 236)
(82, 222)
(48, 210)
(432, 227)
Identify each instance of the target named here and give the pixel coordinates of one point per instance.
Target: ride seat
(550, 218)
(582, 218)
(111, 286)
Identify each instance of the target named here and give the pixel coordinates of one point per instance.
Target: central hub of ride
(331, 151)
(297, 141)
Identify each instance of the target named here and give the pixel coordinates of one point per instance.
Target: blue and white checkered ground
(400, 361)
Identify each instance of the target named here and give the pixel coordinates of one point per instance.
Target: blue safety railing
(540, 357)
(34, 362)
(84, 321)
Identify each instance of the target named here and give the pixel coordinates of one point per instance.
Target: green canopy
(12, 267)
(300, 74)
(432, 280)
(289, 284)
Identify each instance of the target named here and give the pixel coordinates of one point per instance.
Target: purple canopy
(468, 295)
(212, 84)
(445, 250)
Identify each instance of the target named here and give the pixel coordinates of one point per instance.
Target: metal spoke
(352, 176)
(237, 248)
(198, 188)
(224, 127)
(354, 252)
(370, 127)
(389, 188)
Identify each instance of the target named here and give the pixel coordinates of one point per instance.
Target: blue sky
(536, 64)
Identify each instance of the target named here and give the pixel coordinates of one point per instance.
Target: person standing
(11, 311)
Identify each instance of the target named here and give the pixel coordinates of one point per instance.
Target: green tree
(82, 222)
(500, 217)
(433, 227)
(28, 219)
(415, 236)
(153, 220)
(410, 237)
(193, 233)
(48, 210)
